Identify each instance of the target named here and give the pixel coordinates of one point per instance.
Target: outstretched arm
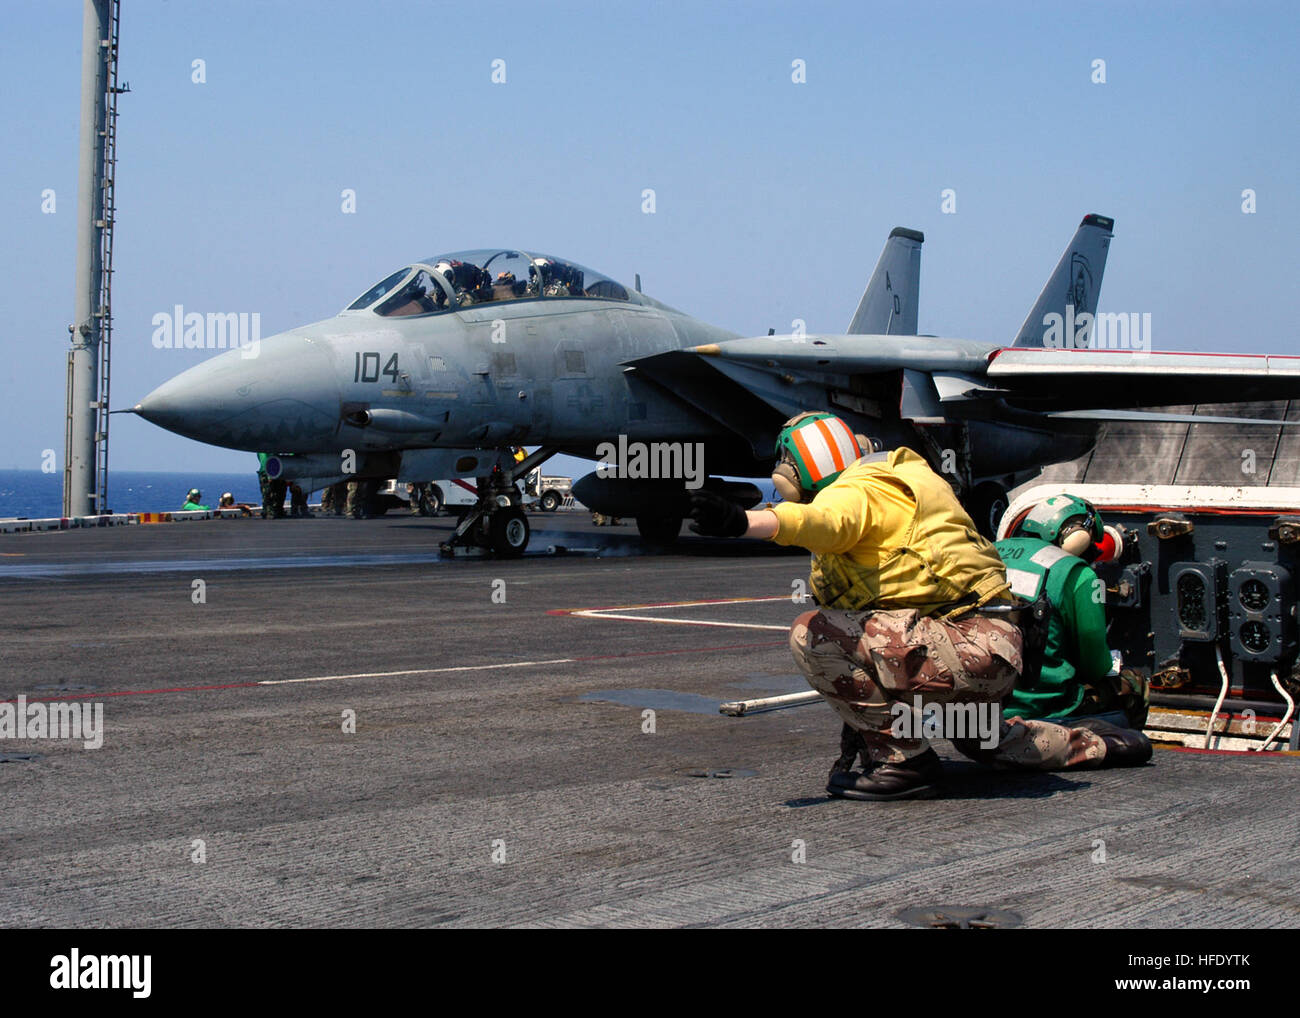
(836, 523)
(817, 530)
(715, 516)
(761, 523)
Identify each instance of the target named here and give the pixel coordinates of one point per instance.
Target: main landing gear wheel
(658, 530)
(508, 532)
(434, 500)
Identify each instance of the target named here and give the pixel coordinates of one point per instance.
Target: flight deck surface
(500, 772)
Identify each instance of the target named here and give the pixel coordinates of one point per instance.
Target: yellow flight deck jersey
(890, 533)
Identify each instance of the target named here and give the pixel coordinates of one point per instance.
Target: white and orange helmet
(812, 450)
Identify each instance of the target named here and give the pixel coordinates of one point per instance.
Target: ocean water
(35, 495)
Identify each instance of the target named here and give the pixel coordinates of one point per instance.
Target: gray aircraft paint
(575, 371)
(1076, 281)
(890, 303)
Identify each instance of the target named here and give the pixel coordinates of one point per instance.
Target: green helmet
(1058, 518)
(812, 451)
(194, 495)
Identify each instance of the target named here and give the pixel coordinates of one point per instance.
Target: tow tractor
(452, 495)
(548, 492)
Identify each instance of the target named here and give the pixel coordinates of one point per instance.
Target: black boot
(1125, 747)
(851, 750)
(917, 778)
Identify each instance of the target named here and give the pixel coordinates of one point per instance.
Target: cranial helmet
(1070, 523)
(194, 495)
(812, 450)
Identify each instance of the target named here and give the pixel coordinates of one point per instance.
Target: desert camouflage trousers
(865, 663)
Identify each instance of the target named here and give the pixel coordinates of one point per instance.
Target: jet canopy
(464, 278)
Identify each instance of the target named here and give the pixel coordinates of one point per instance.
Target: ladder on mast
(105, 310)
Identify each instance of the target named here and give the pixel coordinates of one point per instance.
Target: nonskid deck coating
(477, 739)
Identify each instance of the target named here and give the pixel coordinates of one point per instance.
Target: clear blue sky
(773, 198)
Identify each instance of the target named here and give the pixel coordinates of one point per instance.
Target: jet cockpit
(463, 278)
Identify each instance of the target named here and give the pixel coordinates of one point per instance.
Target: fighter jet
(446, 365)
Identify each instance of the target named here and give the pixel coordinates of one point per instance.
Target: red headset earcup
(1110, 546)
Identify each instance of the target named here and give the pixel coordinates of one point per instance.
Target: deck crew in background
(361, 496)
(272, 490)
(334, 498)
(192, 502)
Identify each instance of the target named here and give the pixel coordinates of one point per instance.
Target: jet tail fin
(889, 303)
(1074, 284)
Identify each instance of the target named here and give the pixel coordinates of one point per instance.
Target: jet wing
(853, 354)
(954, 379)
(1063, 380)
(735, 402)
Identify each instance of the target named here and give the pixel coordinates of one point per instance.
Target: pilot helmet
(812, 451)
(1072, 524)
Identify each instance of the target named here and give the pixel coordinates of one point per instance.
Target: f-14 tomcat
(443, 366)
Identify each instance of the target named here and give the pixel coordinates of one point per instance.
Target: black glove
(716, 516)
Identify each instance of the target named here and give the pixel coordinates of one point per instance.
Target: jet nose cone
(279, 394)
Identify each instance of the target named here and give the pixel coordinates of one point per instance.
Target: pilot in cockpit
(471, 284)
(560, 279)
(549, 278)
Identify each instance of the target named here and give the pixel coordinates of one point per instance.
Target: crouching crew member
(914, 603)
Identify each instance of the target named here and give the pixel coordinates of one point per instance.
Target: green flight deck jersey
(1076, 655)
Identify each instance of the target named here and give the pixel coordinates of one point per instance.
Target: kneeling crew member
(907, 587)
(1050, 553)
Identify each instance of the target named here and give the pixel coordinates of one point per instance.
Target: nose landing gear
(497, 524)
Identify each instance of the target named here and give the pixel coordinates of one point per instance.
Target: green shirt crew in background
(192, 502)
